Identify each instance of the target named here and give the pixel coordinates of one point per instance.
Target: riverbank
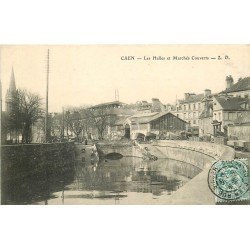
(200, 154)
(22, 160)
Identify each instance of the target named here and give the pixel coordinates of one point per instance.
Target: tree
(100, 119)
(14, 119)
(76, 123)
(25, 111)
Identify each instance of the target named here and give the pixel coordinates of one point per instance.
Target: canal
(130, 180)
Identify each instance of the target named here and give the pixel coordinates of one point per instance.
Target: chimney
(207, 92)
(186, 96)
(229, 82)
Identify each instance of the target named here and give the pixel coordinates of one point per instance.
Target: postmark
(229, 180)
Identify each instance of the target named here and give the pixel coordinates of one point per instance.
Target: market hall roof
(149, 117)
(143, 118)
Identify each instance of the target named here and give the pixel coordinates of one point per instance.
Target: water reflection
(131, 174)
(129, 180)
(36, 188)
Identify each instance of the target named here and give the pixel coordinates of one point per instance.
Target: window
(194, 121)
(219, 116)
(199, 106)
(231, 116)
(189, 106)
(194, 106)
(194, 115)
(184, 107)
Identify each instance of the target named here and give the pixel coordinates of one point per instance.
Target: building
(150, 124)
(147, 107)
(240, 129)
(11, 91)
(226, 109)
(206, 118)
(10, 135)
(241, 88)
(191, 107)
(100, 119)
(211, 113)
(108, 105)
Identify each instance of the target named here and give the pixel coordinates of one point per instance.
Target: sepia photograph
(125, 124)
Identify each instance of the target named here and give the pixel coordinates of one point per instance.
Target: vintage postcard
(125, 124)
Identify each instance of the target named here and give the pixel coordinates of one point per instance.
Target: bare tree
(25, 111)
(100, 119)
(76, 123)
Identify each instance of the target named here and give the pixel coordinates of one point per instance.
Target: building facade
(150, 124)
(239, 89)
(227, 109)
(190, 109)
(240, 129)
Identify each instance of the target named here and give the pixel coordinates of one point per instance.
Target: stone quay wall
(196, 153)
(202, 155)
(22, 160)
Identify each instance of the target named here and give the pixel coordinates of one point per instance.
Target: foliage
(25, 111)
(100, 119)
(76, 124)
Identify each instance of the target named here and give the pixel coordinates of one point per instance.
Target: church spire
(12, 87)
(10, 91)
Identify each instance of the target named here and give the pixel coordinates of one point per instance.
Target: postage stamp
(229, 180)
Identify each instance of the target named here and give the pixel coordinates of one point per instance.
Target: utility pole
(63, 125)
(47, 100)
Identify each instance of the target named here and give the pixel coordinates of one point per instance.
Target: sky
(89, 74)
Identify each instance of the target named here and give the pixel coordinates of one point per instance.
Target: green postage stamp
(229, 180)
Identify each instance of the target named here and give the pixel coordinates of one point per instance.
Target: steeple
(12, 87)
(10, 91)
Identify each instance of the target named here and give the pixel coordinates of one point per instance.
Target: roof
(164, 113)
(143, 118)
(120, 121)
(121, 111)
(193, 98)
(241, 85)
(108, 104)
(147, 118)
(231, 103)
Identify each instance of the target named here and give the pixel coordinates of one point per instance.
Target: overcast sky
(90, 74)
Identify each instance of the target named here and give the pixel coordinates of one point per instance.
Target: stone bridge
(126, 149)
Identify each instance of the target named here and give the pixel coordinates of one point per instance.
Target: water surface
(130, 180)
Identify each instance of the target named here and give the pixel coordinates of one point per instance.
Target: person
(86, 141)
